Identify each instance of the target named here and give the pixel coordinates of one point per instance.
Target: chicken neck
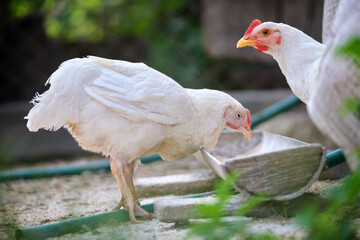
(299, 58)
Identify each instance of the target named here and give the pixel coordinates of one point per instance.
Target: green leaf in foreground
(350, 106)
(351, 50)
(215, 227)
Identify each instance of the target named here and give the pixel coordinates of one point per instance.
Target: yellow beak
(248, 135)
(246, 132)
(243, 42)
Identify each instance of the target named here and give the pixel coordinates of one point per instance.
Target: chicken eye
(238, 116)
(265, 32)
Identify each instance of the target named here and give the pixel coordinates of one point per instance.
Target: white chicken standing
(314, 72)
(128, 110)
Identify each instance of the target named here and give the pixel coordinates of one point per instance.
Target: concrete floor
(26, 203)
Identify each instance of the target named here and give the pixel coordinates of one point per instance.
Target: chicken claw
(129, 200)
(119, 205)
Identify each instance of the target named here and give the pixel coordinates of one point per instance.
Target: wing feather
(140, 94)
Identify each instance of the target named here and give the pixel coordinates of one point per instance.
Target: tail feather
(44, 114)
(55, 107)
(65, 99)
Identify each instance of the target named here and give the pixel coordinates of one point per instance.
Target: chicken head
(260, 37)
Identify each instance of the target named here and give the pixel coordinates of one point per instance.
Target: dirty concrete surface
(34, 202)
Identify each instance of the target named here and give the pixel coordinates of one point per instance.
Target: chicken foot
(129, 200)
(121, 203)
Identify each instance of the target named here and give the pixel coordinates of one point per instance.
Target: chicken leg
(124, 177)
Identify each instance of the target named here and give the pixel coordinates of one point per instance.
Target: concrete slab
(181, 184)
(177, 210)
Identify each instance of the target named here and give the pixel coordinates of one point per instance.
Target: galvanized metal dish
(279, 167)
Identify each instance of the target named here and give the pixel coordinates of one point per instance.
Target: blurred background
(191, 41)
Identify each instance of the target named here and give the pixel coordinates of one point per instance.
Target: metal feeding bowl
(278, 167)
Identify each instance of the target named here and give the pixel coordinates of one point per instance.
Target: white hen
(316, 73)
(129, 110)
(297, 54)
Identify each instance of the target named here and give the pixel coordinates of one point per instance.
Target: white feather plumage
(298, 56)
(129, 110)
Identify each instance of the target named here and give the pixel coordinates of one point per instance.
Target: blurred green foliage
(350, 105)
(218, 229)
(335, 221)
(171, 30)
(330, 220)
(351, 50)
(92, 20)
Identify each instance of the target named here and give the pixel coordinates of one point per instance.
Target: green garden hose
(107, 219)
(68, 169)
(275, 109)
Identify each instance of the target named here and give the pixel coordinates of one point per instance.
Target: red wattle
(261, 48)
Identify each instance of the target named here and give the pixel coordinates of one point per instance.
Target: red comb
(255, 23)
